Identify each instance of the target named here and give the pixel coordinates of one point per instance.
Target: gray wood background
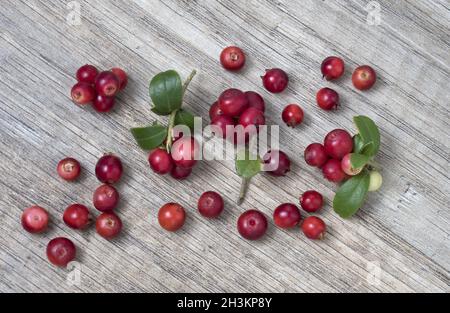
(399, 240)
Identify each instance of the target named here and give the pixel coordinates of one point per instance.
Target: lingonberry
(105, 198)
(232, 58)
(252, 224)
(286, 215)
(108, 225)
(315, 155)
(180, 173)
(215, 111)
(375, 181)
(83, 93)
(87, 74)
(160, 161)
(347, 166)
(311, 201)
(314, 227)
(327, 98)
(332, 68)
(292, 115)
(275, 80)
(35, 219)
(210, 204)
(109, 169)
(171, 216)
(364, 77)
(121, 76)
(107, 84)
(68, 169)
(233, 102)
(77, 216)
(103, 103)
(185, 152)
(222, 121)
(61, 251)
(333, 172)
(252, 117)
(277, 163)
(338, 143)
(255, 100)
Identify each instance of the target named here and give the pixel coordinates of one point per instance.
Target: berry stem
(188, 80)
(244, 186)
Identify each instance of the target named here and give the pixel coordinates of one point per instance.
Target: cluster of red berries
(100, 89)
(35, 219)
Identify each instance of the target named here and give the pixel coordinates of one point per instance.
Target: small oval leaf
(150, 137)
(369, 133)
(247, 165)
(350, 196)
(184, 117)
(358, 160)
(166, 91)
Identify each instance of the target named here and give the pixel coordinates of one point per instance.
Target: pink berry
(106, 198)
(121, 76)
(275, 80)
(185, 151)
(222, 121)
(364, 77)
(215, 111)
(338, 143)
(83, 93)
(108, 225)
(233, 102)
(61, 251)
(327, 99)
(255, 100)
(292, 115)
(347, 166)
(313, 227)
(103, 103)
(232, 58)
(252, 224)
(160, 161)
(77, 216)
(180, 173)
(109, 169)
(171, 216)
(210, 204)
(107, 84)
(286, 215)
(277, 163)
(332, 68)
(87, 74)
(315, 155)
(333, 172)
(35, 219)
(69, 169)
(311, 201)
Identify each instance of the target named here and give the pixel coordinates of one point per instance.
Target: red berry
(180, 173)
(364, 77)
(87, 74)
(61, 251)
(185, 151)
(286, 215)
(83, 93)
(233, 102)
(338, 143)
(255, 100)
(252, 117)
(215, 111)
(311, 201)
(35, 219)
(222, 121)
(105, 198)
(103, 103)
(347, 166)
(292, 115)
(108, 225)
(121, 76)
(171, 216)
(277, 163)
(333, 172)
(315, 155)
(232, 58)
(68, 169)
(109, 169)
(327, 99)
(160, 161)
(210, 204)
(107, 84)
(314, 227)
(275, 80)
(332, 68)
(77, 216)
(252, 224)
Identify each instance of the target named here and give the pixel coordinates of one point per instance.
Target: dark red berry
(255, 100)
(83, 93)
(332, 68)
(314, 227)
(252, 224)
(275, 80)
(87, 74)
(222, 122)
(252, 117)
(311, 201)
(108, 225)
(233, 102)
(160, 161)
(180, 173)
(185, 151)
(315, 155)
(364, 77)
(105, 198)
(109, 169)
(121, 76)
(171, 216)
(232, 58)
(327, 99)
(333, 172)
(61, 251)
(103, 103)
(292, 115)
(68, 169)
(215, 111)
(277, 163)
(338, 143)
(210, 204)
(107, 84)
(77, 216)
(35, 219)
(286, 215)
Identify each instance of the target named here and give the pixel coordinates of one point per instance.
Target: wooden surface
(399, 241)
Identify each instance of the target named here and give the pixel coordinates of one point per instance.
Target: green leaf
(150, 137)
(184, 117)
(358, 144)
(350, 196)
(247, 165)
(166, 91)
(369, 133)
(358, 160)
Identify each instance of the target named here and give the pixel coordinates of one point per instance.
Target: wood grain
(400, 236)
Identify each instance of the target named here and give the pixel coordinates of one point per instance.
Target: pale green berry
(375, 181)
